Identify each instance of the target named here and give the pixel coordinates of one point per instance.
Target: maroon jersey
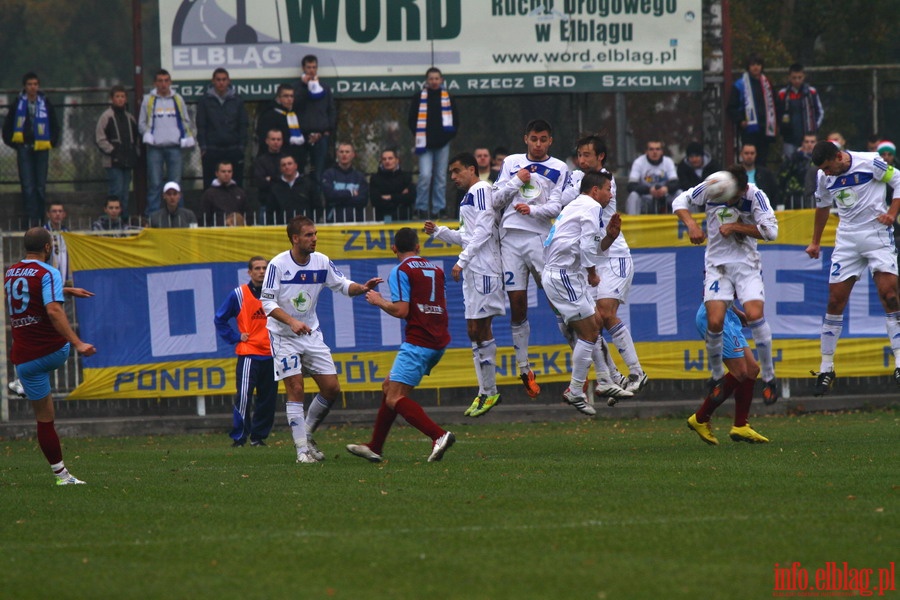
(30, 285)
(420, 282)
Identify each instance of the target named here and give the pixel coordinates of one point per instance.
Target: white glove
(148, 138)
(187, 142)
(298, 141)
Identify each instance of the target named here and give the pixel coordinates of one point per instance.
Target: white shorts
(522, 253)
(483, 295)
(616, 274)
(725, 282)
(569, 293)
(301, 354)
(856, 251)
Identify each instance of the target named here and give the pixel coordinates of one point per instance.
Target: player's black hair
(466, 159)
(593, 179)
(406, 240)
(824, 151)
(597, 142)
(740, 176)
(537, 126)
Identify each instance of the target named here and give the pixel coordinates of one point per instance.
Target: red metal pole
(140, 171)
(727, 81)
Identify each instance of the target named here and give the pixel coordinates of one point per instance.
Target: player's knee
(890, 300)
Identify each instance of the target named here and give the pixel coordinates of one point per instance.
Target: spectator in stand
(798, 176)
(836, 138)
(434, 121)
(759, 175)
(166, 126)
(497, 158)
(696, 166)
(119, 141)
(872, 142)
(31, 129)
(345, 188)
(486, 171)
(888, 152)
(112, 219)
(172, 214)
(292, 193)
(222, 124)
(223, 198)
(314, 104)
(751, 107)
(59, 258)
(391, 189)
(266, 169)
(652, 183)
(799, 110)
(281, 116)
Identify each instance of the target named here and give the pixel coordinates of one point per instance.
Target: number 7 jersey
(420, 282)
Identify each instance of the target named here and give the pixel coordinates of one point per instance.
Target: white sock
(567, 333)
(520, 334)
(832, 327)
(625, 345)
(714, 345)
(318, 410)
(581, 363)
(59, 469)
(610, 363)
(762, 335)
(476, 359)
(487, 366)
(892, 321)
(297, 423)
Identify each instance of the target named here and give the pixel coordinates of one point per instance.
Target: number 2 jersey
(30, 286)
(420, 282)
(859, 193)
(295, 288)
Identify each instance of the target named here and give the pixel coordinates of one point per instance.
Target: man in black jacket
(759, 175)
(221, 128)
(314, 105)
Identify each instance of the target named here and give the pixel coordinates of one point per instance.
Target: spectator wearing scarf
(314, 105)
(31, 128)
(280, 115)
(434, 122)
(800, 110)
(751, 107)
(166, 126)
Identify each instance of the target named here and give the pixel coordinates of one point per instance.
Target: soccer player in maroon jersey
(417, 295)
(42, 337)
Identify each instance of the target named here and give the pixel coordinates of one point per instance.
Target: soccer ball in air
(721, 187)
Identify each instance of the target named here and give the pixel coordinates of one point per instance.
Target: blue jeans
(119, 184)
(433, 180)
(156, 156)
(33, 167)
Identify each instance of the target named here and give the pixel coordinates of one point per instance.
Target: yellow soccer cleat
(476, 404)
(488, 403)
(703, 430)
(746, 434)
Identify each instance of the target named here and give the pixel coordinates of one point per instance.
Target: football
(721, 187)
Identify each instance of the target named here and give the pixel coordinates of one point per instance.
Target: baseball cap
(172, 185)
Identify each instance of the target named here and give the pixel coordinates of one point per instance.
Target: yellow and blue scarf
(40, 124)
(422, 120)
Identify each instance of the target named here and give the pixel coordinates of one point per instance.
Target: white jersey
(543, 193)
(478, 233)
(859, 193)
(573, 240)
(619, 247)
(753, 209)
(643, 171)
(295, 288)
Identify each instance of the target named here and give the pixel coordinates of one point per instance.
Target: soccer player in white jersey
(855, 182)
(614, 266)
(733, 268)
(481, 272)
(294, 280)
(569, 275)
(528, 191)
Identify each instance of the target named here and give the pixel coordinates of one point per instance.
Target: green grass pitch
(583, 509)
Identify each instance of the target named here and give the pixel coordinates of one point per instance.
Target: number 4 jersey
(30, 286)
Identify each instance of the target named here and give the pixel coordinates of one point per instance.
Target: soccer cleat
(15, 386)
(703, 430)
(824, 381)
(476, 404)
(607, 388)
(746, 434)
(305, 457)
(716, 389)
(488, 403)
(363, 451)
(69, 480)
(530, 384)
(579, 401)
(635, 382)
(440, 446)
(238, 443)
(770, 393)
(257, 443)
(897, 375)
(314, 449)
